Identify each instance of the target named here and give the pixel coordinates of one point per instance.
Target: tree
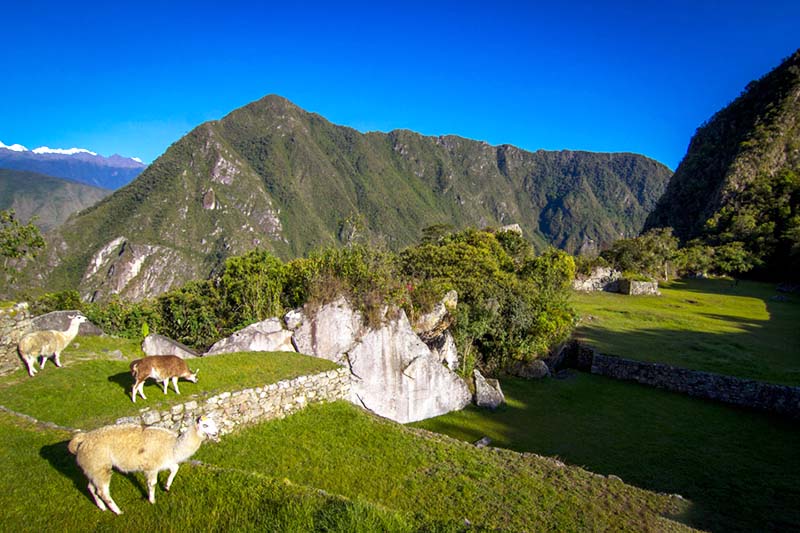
(648, 254)
(17, 241)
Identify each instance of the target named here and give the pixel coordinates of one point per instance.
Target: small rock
(482, 442)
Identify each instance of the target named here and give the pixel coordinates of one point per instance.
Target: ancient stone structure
(638, 288)
(15, 321)
(728, 389)
(749, 393)
(257, 404)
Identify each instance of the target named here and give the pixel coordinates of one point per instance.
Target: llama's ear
(196, 372)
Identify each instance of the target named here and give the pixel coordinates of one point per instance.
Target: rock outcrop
(60, 320)
(265, 336)
(397, 376)
(330, 333)
(601, 279)
(155, 344)
(487, 391)
(535, 369)
(394, 373)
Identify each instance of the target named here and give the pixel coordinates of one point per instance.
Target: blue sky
(622, 76)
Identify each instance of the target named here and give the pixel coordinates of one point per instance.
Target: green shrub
(251, 287)
(56, 301)
(513, 305)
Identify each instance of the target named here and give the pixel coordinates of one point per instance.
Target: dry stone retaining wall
(753, 394)
(248, 406)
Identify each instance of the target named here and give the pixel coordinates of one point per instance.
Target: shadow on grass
(124, 380)
(64, 463)
(737, 467)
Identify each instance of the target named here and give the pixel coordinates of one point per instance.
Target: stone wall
(14, 322)
(638, 288)
(749, 393)
(248, 406)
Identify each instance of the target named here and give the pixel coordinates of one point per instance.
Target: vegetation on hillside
(51, 200)
(17, 241)
(272, 176)
(738, 188)
(513, 304)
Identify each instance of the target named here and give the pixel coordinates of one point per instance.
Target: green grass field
(330, 467)
(94, 387)
(739, 468)
(714, 325)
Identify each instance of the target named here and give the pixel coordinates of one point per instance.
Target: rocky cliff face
(271, 175)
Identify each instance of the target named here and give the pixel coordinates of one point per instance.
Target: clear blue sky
(622, 76)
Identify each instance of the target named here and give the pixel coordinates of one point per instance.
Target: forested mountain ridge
(274, 176)
(740, 179)
(51, 200)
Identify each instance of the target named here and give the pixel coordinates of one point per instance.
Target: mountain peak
(13, 147)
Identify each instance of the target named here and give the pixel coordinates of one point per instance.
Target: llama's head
(207, 428)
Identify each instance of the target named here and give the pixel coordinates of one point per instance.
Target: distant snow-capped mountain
(77, 164)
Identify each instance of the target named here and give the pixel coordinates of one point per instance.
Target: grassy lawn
(44, 490)
(94, 385)
(712, 325)
(330, 467)
(739, 468)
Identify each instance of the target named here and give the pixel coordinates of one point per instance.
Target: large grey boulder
(329, 333)
(155, 344)
(397, 376)
(487, 391)
(535, 369)
(59, 320)
(265, 336)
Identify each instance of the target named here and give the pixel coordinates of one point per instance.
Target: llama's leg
(42, 361)
(141, 390)
(102, 483)
(175, 384)
(57, 359)
(165, 383)
(30, 361)
(152, 479)
(173, 469)
(99, 501)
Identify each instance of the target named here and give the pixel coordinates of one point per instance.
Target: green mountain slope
(272, 175)
(50, 199)
(740, 179)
